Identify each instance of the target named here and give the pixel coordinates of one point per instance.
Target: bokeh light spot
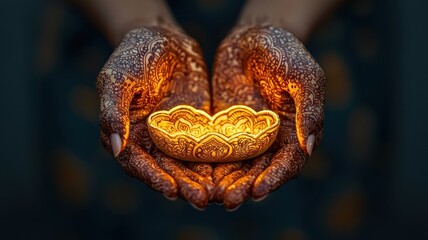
(195, 232)
(121, 198)
(85, 103)
(339, 87)
(317, 167)
(72, 178)
(362, 127)
(292, 234)
(345, 211)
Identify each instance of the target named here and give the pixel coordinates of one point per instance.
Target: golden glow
(234, 134)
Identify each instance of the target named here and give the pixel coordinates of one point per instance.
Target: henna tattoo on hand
(266, 67)
(153, 68)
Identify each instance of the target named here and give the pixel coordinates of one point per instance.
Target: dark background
(368, 180)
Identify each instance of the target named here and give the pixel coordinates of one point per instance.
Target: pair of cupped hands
(260, 66)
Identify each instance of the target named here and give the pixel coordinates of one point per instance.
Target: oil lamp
(234, 134)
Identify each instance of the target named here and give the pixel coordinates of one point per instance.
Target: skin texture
(266, 67)
(154, 68)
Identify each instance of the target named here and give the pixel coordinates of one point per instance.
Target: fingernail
(196, 207)
(260, 198)
(170, 198)
(233, 209)
(116, 143)
(310, 144)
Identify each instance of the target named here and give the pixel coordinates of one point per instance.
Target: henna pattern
(265, 67)
(153, 68)
(268, 68)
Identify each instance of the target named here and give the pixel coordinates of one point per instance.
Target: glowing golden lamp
(234, 134)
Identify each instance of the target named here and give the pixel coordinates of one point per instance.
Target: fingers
(202, 174)
(227, 180)
(288, 135)
(240, 190)
(189, 184)
(203, 169)
(137, 163)
(286, 164)
(223, 169)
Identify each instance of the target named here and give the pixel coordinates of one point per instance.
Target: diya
(234, 134)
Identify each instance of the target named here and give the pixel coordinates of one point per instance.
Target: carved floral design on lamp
(234, 134)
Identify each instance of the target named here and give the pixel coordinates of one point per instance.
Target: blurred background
(366, 181)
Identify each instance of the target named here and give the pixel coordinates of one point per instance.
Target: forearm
(115, 18)
(297, 16)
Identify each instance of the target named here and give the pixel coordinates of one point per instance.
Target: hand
(268, 68)
(153, 68)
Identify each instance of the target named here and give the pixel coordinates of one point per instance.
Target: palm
(150, 70)
(267, 68)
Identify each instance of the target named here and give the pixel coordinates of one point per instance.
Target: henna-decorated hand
(153, 68)
(268, 68)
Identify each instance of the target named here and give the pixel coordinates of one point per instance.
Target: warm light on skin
(234, 134)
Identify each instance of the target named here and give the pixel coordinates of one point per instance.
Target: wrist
(297, 16)
(151, 13)
(283, 14)
(118, 31)
(300, 29)
(116, 18)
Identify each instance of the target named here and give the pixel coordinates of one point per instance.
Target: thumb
(309, 101)
(115, 92)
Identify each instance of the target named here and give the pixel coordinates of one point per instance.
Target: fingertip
(209, 187)
(260, 191)
(259, 198)
(116, 144)
(234, 197)
(232, 208)
(197, 196)
(201, 209)
(285, 165)
(170, 197)
(198, 202)
(310, 144)
(309, 121)
(218, 193)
